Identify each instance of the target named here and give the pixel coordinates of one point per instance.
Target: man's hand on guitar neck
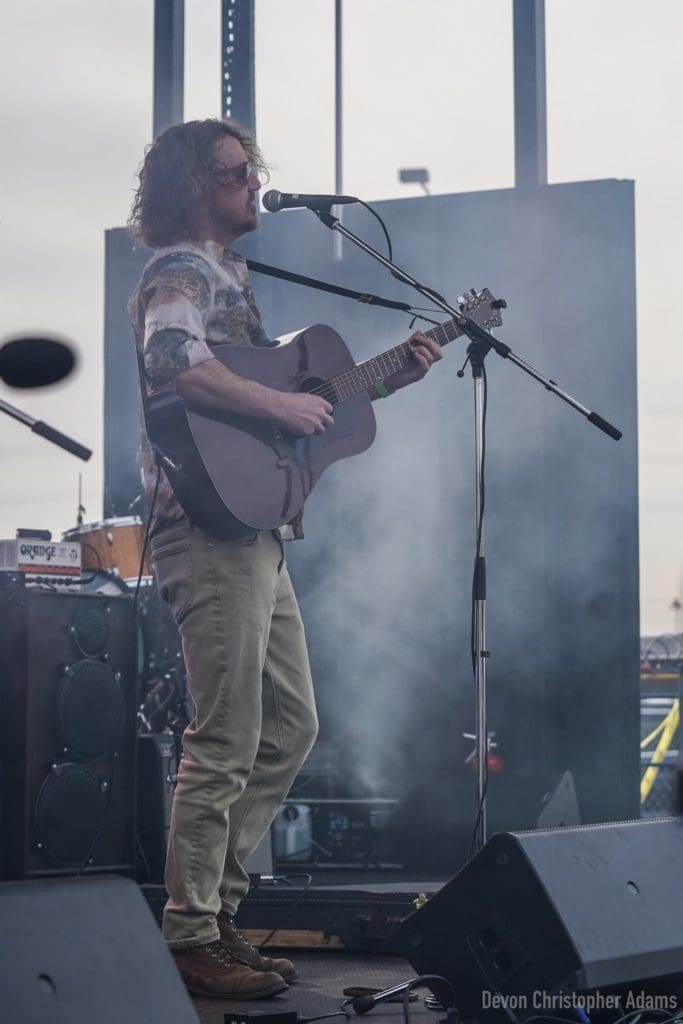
(425, 352)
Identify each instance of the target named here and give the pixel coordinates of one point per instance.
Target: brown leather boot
(210, 970)
(245, 953)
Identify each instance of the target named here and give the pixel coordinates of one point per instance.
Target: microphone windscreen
(34, 362)
(363, 1003)
(271, 200)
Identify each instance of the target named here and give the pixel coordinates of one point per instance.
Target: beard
(234, 223)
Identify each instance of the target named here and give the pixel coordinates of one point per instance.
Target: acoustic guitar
(230, 471)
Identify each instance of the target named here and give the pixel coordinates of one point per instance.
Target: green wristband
(382, 390)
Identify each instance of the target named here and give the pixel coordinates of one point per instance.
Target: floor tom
(113, 546)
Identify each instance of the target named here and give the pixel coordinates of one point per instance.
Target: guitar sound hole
(311, 383)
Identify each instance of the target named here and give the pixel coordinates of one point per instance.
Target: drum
(114, 546)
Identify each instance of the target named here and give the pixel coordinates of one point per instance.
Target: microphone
(274, 201)
(361, 1004)
(34, 362)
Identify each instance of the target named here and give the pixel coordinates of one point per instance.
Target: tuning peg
(473, 291)
(499, 304)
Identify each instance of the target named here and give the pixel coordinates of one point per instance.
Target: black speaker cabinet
(67, 732)
(78, 951)
(537, 918)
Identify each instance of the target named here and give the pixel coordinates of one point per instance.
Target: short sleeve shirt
(190, 297)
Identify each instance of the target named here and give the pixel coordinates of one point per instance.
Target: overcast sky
(76, 115)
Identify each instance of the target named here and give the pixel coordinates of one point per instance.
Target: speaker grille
(88, 709)
(68, 814)
(90, 629)
(67, 732)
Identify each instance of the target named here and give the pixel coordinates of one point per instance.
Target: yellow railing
(666, 730)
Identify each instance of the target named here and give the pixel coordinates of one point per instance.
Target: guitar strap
(157, 452)
(325, 286)
(143, 389)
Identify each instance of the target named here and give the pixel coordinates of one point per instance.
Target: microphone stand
(481, 342)
(46, 431)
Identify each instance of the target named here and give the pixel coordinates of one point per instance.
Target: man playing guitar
(229, 589)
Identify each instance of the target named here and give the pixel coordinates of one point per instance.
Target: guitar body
(234, 471)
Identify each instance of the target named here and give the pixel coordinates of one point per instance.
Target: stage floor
(323, 976)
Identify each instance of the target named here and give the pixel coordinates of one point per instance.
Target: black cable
(140, 856)
(662, 1015)
(475, 581)
(145, 544)
(480, 808)
(293, 909)
(136, 593)
(551, 1020)
(307, 282)
(480, 522)
(324, 1016)
(394, 273)
(306, 850)
(386, 233)
(364, 1004)
(422, 979)
(391, 255)
(98, 570)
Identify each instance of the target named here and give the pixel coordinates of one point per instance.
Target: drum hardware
(80, 510)
(162, 705)
(114, 545)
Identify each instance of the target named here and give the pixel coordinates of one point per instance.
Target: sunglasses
(234, 177)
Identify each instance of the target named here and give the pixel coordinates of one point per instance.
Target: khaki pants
(249, 677)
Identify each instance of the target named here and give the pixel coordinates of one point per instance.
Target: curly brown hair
(175, 177)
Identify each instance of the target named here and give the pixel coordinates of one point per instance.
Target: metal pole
(481, 732)
(169, 64)
(338, 114)
(238, 78)
(531, 133)
(338, 165)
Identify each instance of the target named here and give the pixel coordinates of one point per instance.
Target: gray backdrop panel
(385, 572)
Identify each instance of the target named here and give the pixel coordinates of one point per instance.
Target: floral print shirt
(190, 297)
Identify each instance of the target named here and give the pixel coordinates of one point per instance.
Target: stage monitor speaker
(78, 951)
(67, 732)
(538, 918)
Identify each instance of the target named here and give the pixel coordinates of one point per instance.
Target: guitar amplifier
(33, 561)
(67, 732)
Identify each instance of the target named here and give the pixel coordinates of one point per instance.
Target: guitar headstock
(482, 307)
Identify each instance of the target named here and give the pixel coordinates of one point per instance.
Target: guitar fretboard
(362, 376)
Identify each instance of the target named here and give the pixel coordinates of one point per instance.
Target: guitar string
(346, 384)
(357, 379)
